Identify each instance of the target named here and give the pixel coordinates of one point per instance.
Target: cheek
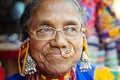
(78, 45)
(35, 48)
(36, 45)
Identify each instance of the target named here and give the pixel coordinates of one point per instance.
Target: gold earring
(22, 56)
(28, 64)
(85, 59)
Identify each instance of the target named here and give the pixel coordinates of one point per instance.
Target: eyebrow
(70, 22)
(43, 22)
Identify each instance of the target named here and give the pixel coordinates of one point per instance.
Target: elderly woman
(54, 44)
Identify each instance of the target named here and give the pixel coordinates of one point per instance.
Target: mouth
(54, 54)
(61, 53)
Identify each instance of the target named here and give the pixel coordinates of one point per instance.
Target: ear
(83, 29)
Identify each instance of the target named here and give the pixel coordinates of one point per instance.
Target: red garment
(2, 74)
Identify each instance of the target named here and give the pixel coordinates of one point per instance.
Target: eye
(44, 31)
(70, 30)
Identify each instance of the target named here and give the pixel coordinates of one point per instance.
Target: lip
(54, 54)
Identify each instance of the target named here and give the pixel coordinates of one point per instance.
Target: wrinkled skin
(47, 53)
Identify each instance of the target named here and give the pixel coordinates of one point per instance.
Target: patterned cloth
(102, 40)
(96, 73)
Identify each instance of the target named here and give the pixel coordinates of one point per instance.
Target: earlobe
(83, 30)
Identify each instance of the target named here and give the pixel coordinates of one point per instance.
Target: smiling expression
(56, 14)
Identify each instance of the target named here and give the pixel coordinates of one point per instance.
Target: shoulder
(89, 75)
(97, 73)
(17, 77)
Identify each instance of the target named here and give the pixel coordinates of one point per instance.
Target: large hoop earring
(85, 59)
(26, 64)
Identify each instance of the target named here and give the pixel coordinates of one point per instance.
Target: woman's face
(48, 52)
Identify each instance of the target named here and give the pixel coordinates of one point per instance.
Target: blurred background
(103, 33)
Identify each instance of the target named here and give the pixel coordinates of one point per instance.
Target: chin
(57, 69)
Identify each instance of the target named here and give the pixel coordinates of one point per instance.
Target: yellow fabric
(114, 32)
(119, 77)
(65, 77)
(103, 73)
(86, 47)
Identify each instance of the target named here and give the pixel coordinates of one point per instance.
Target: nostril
(59, 42)
(63, 47)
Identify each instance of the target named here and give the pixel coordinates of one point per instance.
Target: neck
(64, 77)
(55, 75)
(68, 76)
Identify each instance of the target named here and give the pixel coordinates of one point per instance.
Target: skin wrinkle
(33, 6)
(59, 68)
(45, 52)
(49, 64)
(50, 7)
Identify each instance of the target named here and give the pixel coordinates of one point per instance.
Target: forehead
(55, 8)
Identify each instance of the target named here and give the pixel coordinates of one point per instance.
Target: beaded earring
(26, 64)
(85, 59)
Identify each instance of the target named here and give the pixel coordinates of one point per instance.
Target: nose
(59, 40)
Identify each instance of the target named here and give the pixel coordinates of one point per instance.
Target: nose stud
(67, 53)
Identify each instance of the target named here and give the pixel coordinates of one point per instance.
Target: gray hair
(31, 6)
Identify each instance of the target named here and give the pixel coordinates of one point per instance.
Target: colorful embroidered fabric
(90, 7)
(96, 73)
(109, 25)
(105, 29)
(108, 28)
